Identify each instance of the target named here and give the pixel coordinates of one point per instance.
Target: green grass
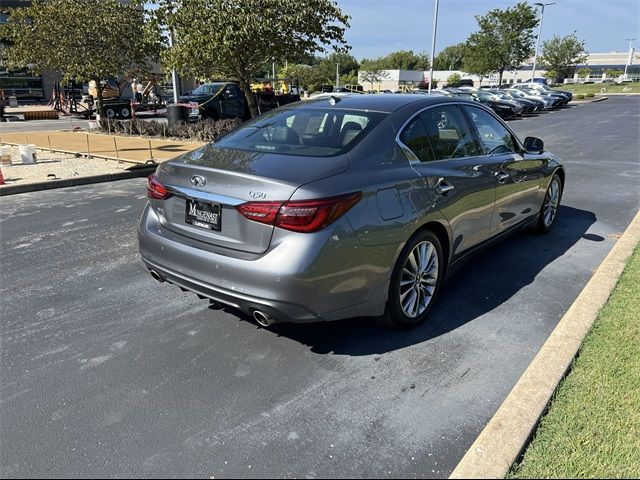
(592, 427)
(597, 87)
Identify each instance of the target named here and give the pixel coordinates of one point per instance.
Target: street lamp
(535, 54)
(629, 59)
(433, 45)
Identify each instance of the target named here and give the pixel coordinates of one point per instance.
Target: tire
(125, 112)
(110, 112)
(401, 311)
(550, 204)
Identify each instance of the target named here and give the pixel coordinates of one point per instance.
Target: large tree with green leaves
(562, 54)
(505, 38)
(451, 57)
(234, 38)
(84, 39)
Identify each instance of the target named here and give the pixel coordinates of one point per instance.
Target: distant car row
(512, 100)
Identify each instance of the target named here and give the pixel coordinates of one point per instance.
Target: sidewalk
(112, 147)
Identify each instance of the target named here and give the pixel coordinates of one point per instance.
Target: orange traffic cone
(1, 177)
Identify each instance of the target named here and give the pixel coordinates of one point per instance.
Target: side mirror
(533, 145)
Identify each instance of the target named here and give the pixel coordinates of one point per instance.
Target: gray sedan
(344, 206)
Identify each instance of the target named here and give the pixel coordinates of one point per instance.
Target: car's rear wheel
(415, 282)
(550, 205)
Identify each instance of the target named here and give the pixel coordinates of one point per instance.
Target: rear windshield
(303, 131)
(208, 89)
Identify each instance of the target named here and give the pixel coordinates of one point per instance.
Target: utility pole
(433, 44)
(629, 59)
(174, 74)
(337, 75)
(535, 54)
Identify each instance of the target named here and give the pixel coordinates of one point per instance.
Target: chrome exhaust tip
(156, 276)
(262, 318)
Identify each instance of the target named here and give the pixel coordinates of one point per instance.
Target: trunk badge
(198, 181)
(257, 195)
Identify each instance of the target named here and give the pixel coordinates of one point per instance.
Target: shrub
(590, 95)
(580, 96)
(202, 131)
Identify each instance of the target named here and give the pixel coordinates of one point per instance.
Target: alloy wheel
(419, 279)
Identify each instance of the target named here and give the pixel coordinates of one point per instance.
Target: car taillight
(263, 212)
(155, 188)
(300, 216)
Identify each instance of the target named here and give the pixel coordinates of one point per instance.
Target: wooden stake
(88, 149)
(115, 144)
(151, 152)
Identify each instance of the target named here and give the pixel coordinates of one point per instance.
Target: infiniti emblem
(198, 181)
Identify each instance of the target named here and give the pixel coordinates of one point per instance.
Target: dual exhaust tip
(263, 319)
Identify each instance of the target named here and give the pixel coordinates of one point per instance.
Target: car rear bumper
(301, 277)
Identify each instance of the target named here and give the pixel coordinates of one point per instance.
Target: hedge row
(201, 131)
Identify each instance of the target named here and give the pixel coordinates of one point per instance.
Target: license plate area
(202, 214)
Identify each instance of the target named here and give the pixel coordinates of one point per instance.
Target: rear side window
(448, 133)
(415, 138)
(494, 137)
(312, 132)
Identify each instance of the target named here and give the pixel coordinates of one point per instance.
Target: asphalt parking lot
(107, 373)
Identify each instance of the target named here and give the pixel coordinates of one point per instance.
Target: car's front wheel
(415, 282)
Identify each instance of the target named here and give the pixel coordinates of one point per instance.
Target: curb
(508, 432)
(73, 182)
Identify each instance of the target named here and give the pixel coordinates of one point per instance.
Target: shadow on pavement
(488, 280)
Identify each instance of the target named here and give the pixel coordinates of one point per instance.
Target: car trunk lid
(212, 180)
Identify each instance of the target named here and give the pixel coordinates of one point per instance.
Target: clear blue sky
(379, 27)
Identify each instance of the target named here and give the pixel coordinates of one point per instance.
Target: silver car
(345, 206)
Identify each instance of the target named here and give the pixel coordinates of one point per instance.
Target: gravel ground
(53, 166)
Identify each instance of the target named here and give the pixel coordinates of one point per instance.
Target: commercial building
(597, 63)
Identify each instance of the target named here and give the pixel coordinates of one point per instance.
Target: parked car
(544, 103)
(557, 99)
(527, 106)
(342, 207)
(504, 108)
(568, 96)
(225, 100)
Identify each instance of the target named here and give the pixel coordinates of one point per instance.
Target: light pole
(629, 59)
(535, 54)
(433, 45)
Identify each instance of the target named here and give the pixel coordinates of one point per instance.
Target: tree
(562, 54)
(372, 71)
(309, 77)
(505, 38)
(347, 67)
(84, 39)
(584, 73)
(450, 58)
(234, 38)
(401, 60)
(613, 73)
(453, 80)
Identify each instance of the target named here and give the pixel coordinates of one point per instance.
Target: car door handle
(443, 187)
(501, 176)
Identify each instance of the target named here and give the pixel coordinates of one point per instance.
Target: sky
(379, 27)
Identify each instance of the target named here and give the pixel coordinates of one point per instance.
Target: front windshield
(314, 132)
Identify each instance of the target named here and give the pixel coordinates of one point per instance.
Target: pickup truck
(225, 100)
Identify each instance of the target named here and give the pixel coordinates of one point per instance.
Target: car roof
(380, 103)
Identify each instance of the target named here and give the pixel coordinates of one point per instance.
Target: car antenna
(333, 100)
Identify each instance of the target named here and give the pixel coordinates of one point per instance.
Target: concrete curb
(73, 182)
(508, 432)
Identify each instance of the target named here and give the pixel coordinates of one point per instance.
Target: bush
(590, 95)
(580, 96)
(202, 131)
